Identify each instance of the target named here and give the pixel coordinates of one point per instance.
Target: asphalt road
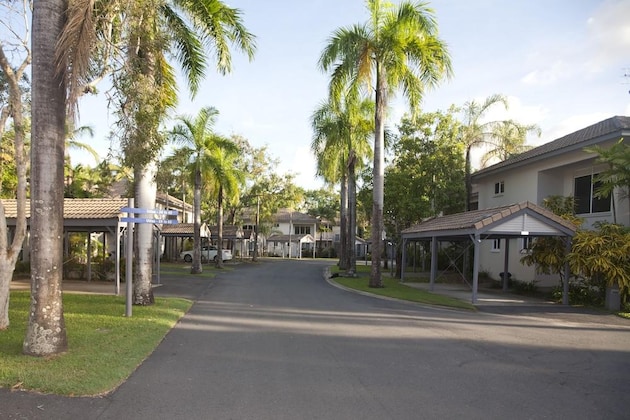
(276, 341)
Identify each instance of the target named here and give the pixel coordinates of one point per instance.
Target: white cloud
(303, 165)
(547, 76)
(608, 34)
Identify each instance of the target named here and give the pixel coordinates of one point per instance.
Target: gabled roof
(610, 129)
(522, 219)
(184, 230)
(295, 217)
(291, 238)
(76, 208)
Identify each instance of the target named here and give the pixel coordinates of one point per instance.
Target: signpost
(160, 217)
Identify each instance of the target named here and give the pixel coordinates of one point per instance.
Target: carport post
(506, 262)
(404, 255)
(434, 260)
(567, 274)
(477, 242)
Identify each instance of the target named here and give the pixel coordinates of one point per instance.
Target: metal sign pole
(129, 263)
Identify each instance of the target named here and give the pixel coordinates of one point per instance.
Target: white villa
(561, 167)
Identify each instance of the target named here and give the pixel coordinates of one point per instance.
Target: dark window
(499, 188)
(584, 194)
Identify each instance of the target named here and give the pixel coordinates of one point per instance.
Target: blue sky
(560, 63)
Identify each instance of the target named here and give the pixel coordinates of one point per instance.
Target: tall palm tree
(225, 180)
(508, 139)
(340, 143)
(46, 331)
(474, 132)
(398, 47)
(194, 134)
(151, 31)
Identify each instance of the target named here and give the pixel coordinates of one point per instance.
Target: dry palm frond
(74, 49)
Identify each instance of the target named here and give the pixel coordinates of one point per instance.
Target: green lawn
(394, 289)
(104, 346)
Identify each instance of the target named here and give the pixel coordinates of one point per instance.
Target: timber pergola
(512, 221)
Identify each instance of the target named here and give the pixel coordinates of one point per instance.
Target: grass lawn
(394, 289)
(104, 347)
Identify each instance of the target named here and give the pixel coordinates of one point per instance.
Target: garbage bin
(613, 299)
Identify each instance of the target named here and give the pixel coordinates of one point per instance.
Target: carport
(506, 222)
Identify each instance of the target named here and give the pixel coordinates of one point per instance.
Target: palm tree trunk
(220, 229)
(46, 331)
(196, 267)
(378, 177)
(352, 216)
(146, 191)
(343, 224)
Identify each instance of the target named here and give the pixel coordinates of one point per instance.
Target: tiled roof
(183, 229)
(476, 220)
(603, 130)
(285, 215)
(76, 208)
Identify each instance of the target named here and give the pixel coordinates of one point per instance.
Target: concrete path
(276, 341)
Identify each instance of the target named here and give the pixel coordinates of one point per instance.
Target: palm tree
(46, 331)
(340, 143)
(398, 47)
(475, 133)
(151, 31)
(508, 139)
(225, 180)
(195, 135)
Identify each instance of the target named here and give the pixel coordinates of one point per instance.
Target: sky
(560, 63)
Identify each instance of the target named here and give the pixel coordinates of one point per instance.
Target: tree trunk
(143, 268)
(343, 224)
(379, 178)
(196, 267)
(468, 179)
(220, 229)
(46, 331)
(352, 216)
(9, 253)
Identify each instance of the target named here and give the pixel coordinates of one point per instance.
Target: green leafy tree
(604, 252)
(427, 173)
(398, 47)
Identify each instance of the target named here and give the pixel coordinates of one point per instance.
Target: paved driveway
(276, 341)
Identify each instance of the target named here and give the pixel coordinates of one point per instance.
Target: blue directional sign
(149, 220)
(158, 212)
(149, 211)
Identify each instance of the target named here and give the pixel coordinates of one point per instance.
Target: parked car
(208, 253)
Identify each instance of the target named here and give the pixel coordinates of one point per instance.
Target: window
(499, 188)
(584, 194)
(526, 244)
(302, 230)
(496, 245)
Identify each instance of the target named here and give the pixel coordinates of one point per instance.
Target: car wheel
(188, 258)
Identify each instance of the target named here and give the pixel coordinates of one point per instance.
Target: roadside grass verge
(104, 346)
(394, 289)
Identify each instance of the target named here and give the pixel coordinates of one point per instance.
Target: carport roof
(522, 219)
